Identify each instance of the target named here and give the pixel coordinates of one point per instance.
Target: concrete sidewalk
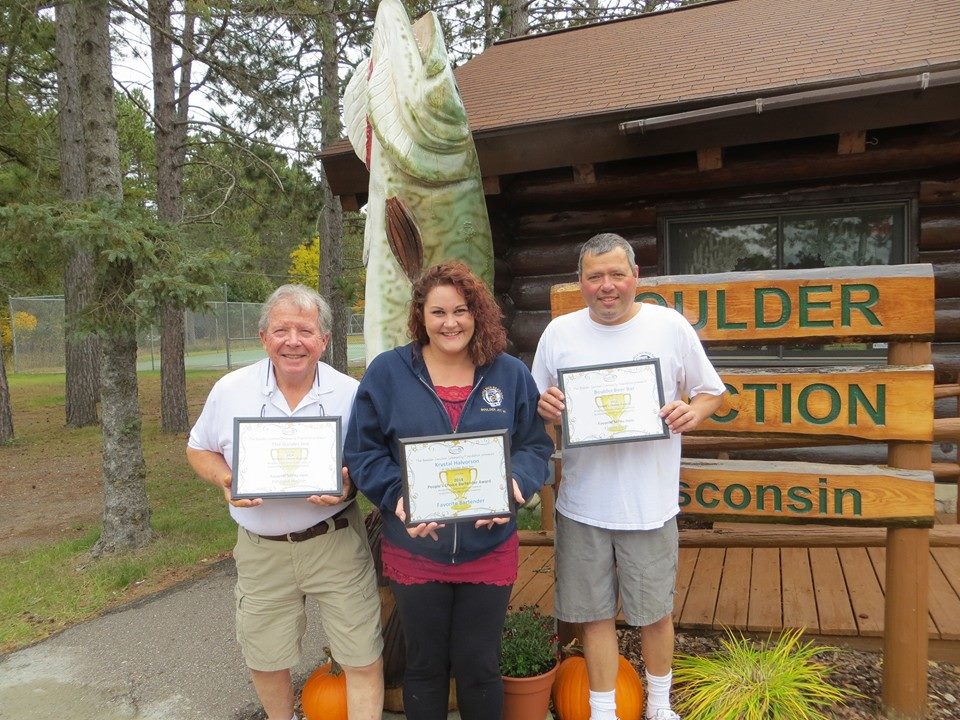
(172, 656)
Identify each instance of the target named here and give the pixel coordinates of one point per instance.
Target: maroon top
(453, 399)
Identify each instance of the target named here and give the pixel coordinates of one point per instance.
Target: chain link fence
(225, 335)
(37, 332)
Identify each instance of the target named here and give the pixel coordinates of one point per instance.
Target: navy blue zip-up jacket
(396, 400)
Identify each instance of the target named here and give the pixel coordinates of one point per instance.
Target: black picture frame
(431, 465)
(277, 449)
(617, 376)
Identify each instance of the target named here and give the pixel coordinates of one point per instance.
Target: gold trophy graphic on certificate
(456, 477)
(289, 458)
(614, 405)
(286, 457)
(459, 480)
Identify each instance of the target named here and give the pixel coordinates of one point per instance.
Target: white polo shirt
(252, 392)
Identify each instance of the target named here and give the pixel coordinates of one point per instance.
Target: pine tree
(126, 514)
(82, 351)
(171, 102)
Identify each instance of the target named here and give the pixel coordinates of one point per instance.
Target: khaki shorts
(274, 577)
(595, 564)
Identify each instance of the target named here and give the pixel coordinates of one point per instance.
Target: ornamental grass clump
(756, 681)
(528, 645)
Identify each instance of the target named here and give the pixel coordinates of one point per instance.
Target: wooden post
(852, 142)
(548, 493)
(547, 505)
(905, 639)
(584, 174)
(709, 159)
(566, 632)
(350, 203)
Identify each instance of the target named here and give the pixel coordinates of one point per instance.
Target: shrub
(756, 681)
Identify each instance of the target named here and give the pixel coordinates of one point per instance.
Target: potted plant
(528, 662)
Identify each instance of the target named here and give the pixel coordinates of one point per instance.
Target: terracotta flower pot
(527, 698)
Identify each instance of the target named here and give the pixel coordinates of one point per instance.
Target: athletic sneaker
(664, 714)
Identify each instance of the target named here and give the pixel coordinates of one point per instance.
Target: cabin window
(865, 234)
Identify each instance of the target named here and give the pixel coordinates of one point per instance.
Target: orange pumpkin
(324, 695)
(571, 690)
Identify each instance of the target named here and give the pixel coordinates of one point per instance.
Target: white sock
(603, 705)
(658, 692)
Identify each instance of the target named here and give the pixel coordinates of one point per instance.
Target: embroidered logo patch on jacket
(492, 395)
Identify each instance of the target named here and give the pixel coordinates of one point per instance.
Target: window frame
(897, 199)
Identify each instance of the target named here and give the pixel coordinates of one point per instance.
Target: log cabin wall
(540, 218)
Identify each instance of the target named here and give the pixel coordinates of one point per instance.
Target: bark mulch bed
(854, 669)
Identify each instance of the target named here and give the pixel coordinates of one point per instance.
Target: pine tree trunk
(173, 378)
(488, 29)
(331, 240)
(126, 514)
(519, 17)
(101, 150)
(82, 351)
(173, 384)
(82, 383)
(6, 411)
(331, 269)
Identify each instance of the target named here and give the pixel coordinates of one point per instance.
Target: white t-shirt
(252, 392)
(630, 485)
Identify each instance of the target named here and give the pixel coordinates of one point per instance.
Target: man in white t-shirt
(291, 548)
(617, 506)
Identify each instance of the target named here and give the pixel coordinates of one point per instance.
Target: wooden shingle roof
(736, 49)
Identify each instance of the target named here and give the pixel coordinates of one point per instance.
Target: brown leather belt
(334, 522)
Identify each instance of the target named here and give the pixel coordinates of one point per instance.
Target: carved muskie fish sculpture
(406, 121)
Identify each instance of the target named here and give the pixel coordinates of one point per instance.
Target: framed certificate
(286, 457)
(612, 403)
(449, 478)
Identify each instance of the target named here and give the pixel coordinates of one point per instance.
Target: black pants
(452, 628)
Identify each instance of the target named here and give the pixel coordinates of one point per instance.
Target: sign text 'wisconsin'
(794, 492)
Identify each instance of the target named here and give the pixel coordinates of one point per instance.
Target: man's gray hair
(302, 297)
(604, 243)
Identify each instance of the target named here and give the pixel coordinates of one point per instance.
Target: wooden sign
(877, 303)
(807, 493)
(884, 403)
(892, 302)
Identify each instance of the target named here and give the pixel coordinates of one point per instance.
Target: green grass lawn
(57, 584)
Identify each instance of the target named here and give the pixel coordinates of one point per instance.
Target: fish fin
(404, 237)
(355, 109)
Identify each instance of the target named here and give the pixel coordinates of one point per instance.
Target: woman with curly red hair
(452, 581)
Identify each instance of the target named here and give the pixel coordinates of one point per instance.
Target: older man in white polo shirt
(291, 548)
